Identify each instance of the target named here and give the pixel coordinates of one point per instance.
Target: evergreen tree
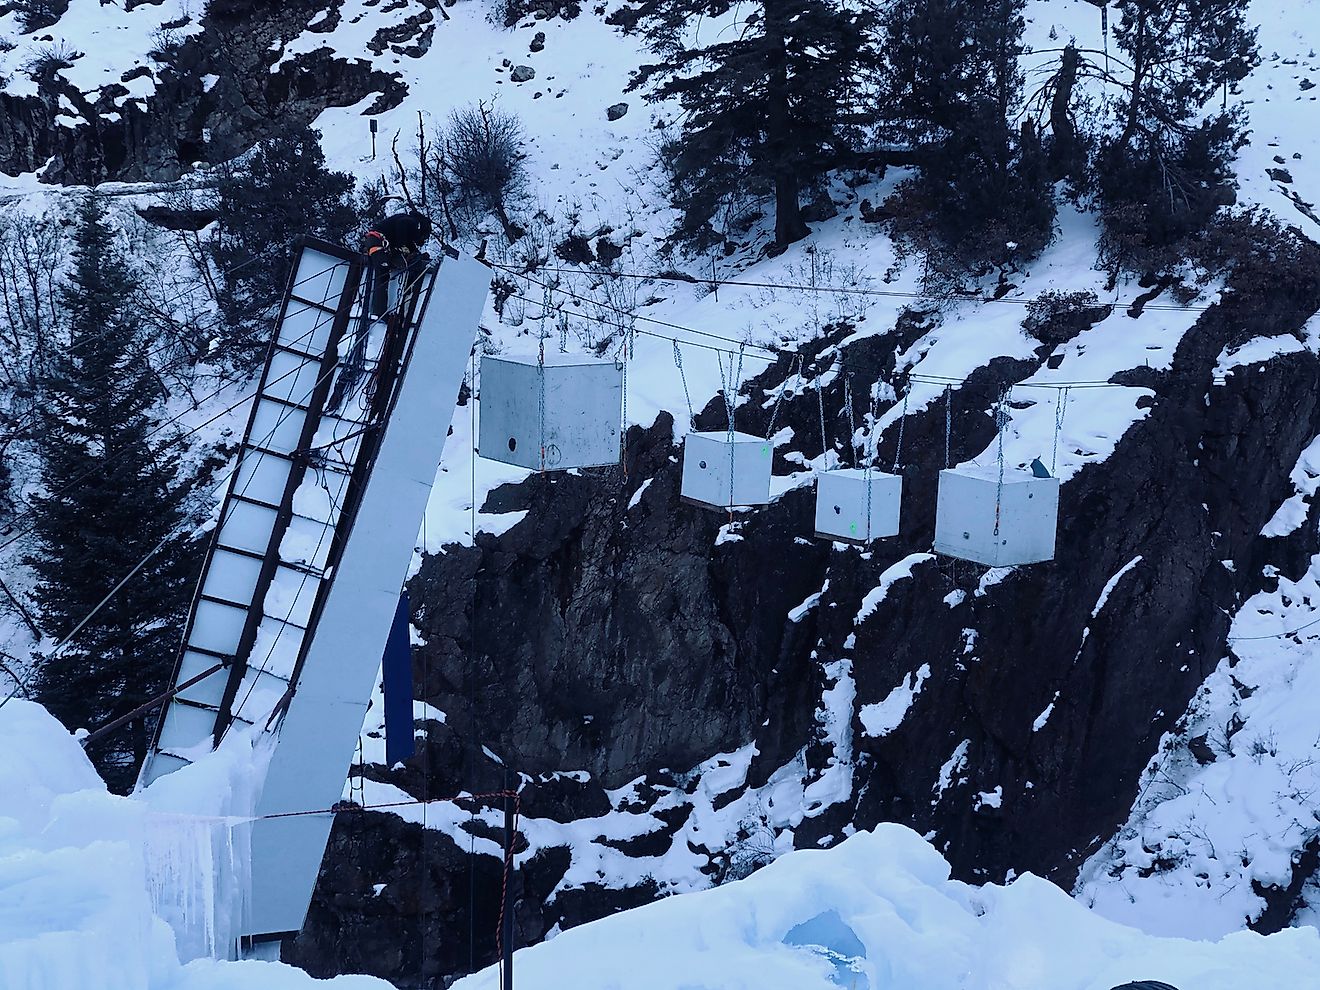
(279, 192)
(1166, 168)
(109, 498)
(983, 196)
(768, 107)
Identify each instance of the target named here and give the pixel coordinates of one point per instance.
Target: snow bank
(91, 882)
(879, 911)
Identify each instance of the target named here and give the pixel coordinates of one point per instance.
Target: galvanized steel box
(842, 500)
(583, 410)
(965, 516)
(708, 459)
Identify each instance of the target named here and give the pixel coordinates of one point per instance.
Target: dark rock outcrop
(112, 136)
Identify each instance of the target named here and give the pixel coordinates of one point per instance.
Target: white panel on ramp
(320, 729)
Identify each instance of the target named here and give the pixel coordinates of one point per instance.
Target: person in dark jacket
(394, 244)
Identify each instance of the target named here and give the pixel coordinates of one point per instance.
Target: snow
(1305, 477)
(893, 574)
(1200, 839)
(1257, 351)
(101, 892)
(879, 911)
(884, 717)
(1112, 583)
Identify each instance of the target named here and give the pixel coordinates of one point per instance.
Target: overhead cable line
(915, 376)
(837, 289)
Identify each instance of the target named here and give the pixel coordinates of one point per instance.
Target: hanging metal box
(583, 411)
(723, 469)
(965, 516)
(842, 499)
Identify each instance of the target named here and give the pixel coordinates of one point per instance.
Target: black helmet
(423, 226)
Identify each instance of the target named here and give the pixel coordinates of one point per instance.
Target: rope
(1060, 408)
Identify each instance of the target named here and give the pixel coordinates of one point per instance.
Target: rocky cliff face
(217, 87)
(616, 640)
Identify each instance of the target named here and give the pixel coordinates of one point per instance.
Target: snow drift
(100, 892)
(879, 911)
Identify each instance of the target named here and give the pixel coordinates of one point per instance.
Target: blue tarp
(396, 668)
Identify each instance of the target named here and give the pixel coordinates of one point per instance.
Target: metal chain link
(622, 360)
(902, 420)
(948, 421)
(824, 441)
(540, 368)
(678, 362)
(1001, 425)
(852, 423)
(563, 333)
(774, 413)
(1060, 409)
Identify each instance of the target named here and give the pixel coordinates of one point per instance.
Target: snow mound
(88, 879)
(879, 911)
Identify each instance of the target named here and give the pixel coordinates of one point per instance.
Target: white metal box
(583, 411)
(1028, 514)
(842, 499)
(724, 470)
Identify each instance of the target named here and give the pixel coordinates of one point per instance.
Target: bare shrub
(476, 166)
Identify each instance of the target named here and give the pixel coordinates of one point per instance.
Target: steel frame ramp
(228, 614)
(312, 546)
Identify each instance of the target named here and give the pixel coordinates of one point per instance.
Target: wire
(22, 686)
(1280, 635)
(167, 423)
(836, 289)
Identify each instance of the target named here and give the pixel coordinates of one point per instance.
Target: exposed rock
(182, 123)
(616, 111)
(618, 639)
(538, 42)
(522, 73)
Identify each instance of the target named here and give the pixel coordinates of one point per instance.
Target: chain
(902, 421)
(623, 427)
(678, 363)
(824, 440)
(948, 421)
(563, 333)
(1060, 409)
(852, 423)
(540, 370)
(1001, 425)
(774, 413)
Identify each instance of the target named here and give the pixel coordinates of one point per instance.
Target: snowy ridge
(1227, 805)
(107, 893)
(880, 911)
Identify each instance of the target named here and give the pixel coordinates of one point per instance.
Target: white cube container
(842, 499)
(583, 411)
(723, 470)
(965, 516)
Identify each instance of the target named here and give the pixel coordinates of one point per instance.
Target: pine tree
(768, 108)
(109, 497)
(1167, 167)
(952, 84)
(281, 191)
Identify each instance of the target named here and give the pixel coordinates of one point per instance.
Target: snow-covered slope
(879, 911)
(88, 880)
